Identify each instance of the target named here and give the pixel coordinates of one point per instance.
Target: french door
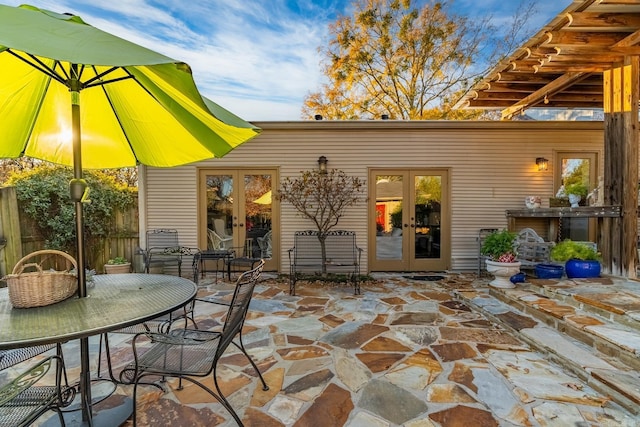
(409, 227)
(236, 212)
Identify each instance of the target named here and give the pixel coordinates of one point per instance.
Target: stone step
(602, 372)
(617, 301)
(615, 340)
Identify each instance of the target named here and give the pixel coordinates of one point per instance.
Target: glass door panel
(427, 211)
(257, 209)
(577, 174)
(220, 211)
(389, 197)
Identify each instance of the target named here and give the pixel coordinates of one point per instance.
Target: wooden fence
(19, 236)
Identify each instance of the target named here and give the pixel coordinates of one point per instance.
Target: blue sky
(257, 58)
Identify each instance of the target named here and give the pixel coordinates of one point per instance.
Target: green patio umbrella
(75, 95)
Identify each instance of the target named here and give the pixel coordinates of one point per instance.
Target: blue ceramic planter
(549, 271)
(579, 269)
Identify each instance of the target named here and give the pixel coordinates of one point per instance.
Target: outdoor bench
(342, 256)
(532, 249)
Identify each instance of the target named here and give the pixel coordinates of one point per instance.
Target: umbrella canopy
(78, 96)
(136, 105)
(265, 199)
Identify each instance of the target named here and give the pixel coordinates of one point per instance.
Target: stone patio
(406, 352)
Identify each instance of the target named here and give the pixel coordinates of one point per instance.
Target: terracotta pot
(117, 268)
(502, 272)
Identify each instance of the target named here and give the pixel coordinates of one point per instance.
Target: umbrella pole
(75, 186)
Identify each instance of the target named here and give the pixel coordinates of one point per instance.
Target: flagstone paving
(404, 353)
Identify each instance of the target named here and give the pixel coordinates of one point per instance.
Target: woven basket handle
(20, 265)
(23, 266)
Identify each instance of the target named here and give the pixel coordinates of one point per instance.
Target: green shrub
(43, 193)
(569, 249)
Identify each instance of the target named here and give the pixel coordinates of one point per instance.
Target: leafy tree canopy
(410, 63)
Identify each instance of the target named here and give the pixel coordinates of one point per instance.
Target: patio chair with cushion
(221, 230)
(216, 242)
(188, 353)
(264, 243)
(26, 398)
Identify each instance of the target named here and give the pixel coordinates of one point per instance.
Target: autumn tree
(322, 197)
(410, 63)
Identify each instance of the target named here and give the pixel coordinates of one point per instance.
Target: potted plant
(581, 259)
(499, 247)
(117, 265)
(577, 192)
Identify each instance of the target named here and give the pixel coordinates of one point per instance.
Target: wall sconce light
(322, 164)
(543, 164)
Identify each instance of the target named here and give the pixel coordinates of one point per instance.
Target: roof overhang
(561, 66)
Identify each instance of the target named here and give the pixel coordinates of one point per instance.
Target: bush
(569, 249)
(43, 193)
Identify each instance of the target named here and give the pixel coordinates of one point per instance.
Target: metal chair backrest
(162, 238)
(239, 306)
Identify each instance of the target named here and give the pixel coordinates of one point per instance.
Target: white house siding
(492, 167)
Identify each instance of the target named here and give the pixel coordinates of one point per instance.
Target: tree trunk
(323, 251)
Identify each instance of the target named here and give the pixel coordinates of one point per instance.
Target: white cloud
(257, 58)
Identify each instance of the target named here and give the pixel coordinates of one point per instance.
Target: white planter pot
(502, 272)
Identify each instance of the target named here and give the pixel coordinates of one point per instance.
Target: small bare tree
(322, 197)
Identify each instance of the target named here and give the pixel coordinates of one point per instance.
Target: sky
(257, 58)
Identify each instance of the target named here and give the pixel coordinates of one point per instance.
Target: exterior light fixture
(322, 164)
(543, 164)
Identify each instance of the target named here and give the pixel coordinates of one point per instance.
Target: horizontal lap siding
(492, 169)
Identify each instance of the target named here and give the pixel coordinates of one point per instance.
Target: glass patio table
(113, 301)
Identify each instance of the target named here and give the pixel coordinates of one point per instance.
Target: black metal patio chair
(163, 247)
(243, 259)
(25, 399)
(162, 324)
(189, 353)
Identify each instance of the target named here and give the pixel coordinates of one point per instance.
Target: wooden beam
(603, 21)
(619, 2)
(562, 67)
(584, 38)
(630, 40)
(548, 90)
(579, 88)
(622, 95)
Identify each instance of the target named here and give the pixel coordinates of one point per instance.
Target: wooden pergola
(586, 57)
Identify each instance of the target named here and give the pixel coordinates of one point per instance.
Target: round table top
(114, 301)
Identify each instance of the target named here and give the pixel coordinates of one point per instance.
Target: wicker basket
(39, 288)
